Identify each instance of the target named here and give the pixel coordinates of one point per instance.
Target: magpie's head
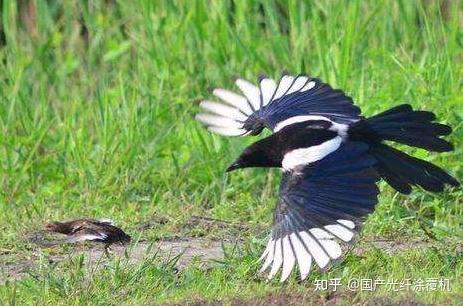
(238, 164)
(263, 153)
(57, 227)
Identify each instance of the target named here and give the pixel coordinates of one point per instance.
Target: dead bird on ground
(88, 229)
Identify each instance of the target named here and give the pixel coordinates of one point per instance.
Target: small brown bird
(88, 229)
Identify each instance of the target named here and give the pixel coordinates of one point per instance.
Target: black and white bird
(331, 157)
(103, 231)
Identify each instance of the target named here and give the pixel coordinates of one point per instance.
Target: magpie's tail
(404, 125)
(401, 170)
(414, 128)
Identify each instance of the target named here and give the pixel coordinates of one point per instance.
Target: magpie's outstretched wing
(275, 104)
(84, 233)
(319, 207)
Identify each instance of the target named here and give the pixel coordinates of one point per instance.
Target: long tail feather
(401, 170)
(404, 125)
(414, 128)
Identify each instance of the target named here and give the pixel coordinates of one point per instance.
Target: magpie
(331, 157)
(103, 231)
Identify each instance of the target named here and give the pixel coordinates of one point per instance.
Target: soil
(296, 299)
(183, 249)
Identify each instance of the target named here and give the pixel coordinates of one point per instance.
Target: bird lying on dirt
(331, 157)
(88, 229)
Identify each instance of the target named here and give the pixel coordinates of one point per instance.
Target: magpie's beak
(234, 166)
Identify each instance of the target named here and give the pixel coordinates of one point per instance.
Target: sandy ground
(183, 250)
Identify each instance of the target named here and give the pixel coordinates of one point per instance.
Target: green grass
(96, 119)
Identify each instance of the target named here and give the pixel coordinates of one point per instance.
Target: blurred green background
(97, 100)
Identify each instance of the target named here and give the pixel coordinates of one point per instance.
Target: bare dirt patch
(307, 298)
(388, 246)
(271, 299)
(184, 250)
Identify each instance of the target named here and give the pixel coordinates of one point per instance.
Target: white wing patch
(223, 110)
(308, 86)
(303, 248)
(218, 121)
(226, 131)
(251, 92)
(227, 118)
(78, 238)
(347, 223)
(222, 119)
(285, 83)
(304, 259)
(341, 129)
(277, 259)
(267, 88)
(107, 221)
(289, 259)
(298, 84)
(305, 156)
(340, 231)
(269, 256)
(233, 99)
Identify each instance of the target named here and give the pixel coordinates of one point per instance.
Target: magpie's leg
(107, 250)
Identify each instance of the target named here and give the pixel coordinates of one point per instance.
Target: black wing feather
(304, 96)
(326, 201)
